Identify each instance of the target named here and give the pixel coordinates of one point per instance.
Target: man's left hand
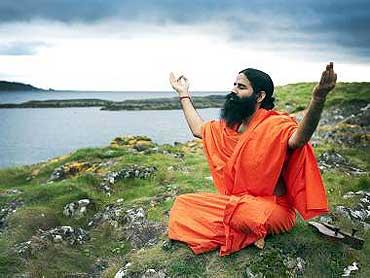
(326, 84)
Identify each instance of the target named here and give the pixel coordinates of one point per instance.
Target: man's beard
(237, 109)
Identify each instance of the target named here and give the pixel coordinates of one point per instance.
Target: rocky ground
(103, 212)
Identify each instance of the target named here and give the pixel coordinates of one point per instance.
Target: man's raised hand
(180, 84)
(326, 84)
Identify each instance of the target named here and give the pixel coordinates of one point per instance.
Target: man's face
(240, 103)
(242, 86)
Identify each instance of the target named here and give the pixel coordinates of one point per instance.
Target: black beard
(237, 109)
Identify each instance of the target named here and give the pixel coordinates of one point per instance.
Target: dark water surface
(31, 135)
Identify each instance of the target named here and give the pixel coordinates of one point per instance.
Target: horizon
(157, 91)
(123, 45)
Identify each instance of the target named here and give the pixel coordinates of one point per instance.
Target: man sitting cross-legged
(261, 163)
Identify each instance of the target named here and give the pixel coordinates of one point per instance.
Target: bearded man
(261, 163)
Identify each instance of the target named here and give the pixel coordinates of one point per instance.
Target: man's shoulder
(282, 117)
(212, 124)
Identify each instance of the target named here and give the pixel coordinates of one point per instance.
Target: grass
(44, 203)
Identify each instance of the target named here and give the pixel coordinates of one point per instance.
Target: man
(261, 163)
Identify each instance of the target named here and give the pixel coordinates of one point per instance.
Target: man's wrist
(184, 97)
(183, 94)
(318, 100)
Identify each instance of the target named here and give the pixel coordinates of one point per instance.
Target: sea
(32, 135)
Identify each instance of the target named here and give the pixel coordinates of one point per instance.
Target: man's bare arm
(310, 121)
(181, 86)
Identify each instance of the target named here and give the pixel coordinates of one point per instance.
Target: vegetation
(16, 86)
(181, 168)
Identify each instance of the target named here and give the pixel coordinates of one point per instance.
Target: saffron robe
(245, 169)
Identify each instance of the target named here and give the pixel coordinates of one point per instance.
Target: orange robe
(246, 168)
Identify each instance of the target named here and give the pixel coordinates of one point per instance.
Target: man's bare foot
(260, 244)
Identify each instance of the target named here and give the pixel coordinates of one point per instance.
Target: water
(18, 97)
(32, 135)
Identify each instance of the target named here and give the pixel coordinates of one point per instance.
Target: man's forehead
(241, 78)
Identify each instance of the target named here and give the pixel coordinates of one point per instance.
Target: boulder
(57, 235)
(139, 231)
(138, 143)
(360, 211)
(76, 209)
(68, 169)
(133, 171)
(113, 214)
(8, 209)
(331, 160)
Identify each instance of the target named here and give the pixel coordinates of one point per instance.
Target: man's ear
(261, 96)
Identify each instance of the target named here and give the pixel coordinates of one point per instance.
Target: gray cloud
(17, 48)
(324, 26)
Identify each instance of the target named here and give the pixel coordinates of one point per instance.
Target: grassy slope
(44, 206)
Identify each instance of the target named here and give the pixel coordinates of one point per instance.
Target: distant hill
(16, 86)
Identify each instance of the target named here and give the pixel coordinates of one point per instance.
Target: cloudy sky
(133, 45)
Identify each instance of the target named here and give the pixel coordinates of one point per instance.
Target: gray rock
(123, 272)
(112, 213)
(61, 234)
(360, 212)
(134, 171)
(349, 269)
(295, 266)
(76, 209)
(152, 273)
(250, 274)
(8, 209)
(331, 160)
(96, 270)
(10, 192)
(139, 231)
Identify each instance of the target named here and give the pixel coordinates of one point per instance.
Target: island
(6, 86)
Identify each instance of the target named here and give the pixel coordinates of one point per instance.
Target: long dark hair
(261, 81)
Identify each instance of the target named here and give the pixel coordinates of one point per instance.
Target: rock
(194, 146)
(142, 145)
(348, 270)
(123, 272)
(113, 214)
(250, 274)
(58, 238)
(139, 231)
(61, 234)
(169, 245)
(152, 273)
(347, 125)
(76, 209)
(96, 270)
(69, 169)
(331, 160)
(138, 143)
(326, 219)
(10, 192)
(149, 273)
(8, 209)
(295, 266)
(134, 171)
(360, 212)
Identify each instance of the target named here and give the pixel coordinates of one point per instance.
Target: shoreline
(170, 103)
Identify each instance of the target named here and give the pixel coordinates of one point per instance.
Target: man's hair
(261, 81)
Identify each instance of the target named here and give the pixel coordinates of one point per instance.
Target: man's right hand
(180, 84)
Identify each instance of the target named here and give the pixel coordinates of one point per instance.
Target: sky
(134, 45)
